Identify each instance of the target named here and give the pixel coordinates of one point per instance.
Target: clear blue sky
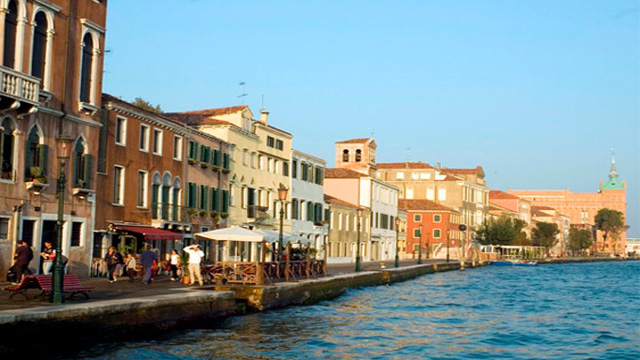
(537, 92)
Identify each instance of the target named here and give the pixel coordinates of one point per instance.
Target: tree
(611, 223)
(142, 103)
(501, 231)
(545, 234)
(579, 239)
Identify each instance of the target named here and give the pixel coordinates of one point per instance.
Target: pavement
(122, 289)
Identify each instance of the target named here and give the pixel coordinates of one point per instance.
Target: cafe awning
(234, 233)
(149, 232)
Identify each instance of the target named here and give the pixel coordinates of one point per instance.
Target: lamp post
(428, 245)
(359, 214)
(420, 246)
(462, 228)
(397, 262)
(282, 196)
(448, 241)
(63, 147)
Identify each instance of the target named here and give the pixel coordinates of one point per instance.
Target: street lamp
(63, 147)
(397, 262)
(448, 241)
(463, 228)
(282, 196)
(420, 246)
(359, 213)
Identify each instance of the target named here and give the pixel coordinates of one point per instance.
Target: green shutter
(225, 201)
(310, 211)
(215, 199)
(88, 160)
(226, 161)
(28, 161)
(216, 157)
(43, 151)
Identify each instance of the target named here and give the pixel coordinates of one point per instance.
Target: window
(225, 201)
(204, 196)
(76, 233)
(225, 163)
(437, 218)
(430, 194)
(7, 142)
(82, 165)
(319, 175)
(254, 160)
(399, 175)
(261, 162)
(436, 233)
(442, 194)
(270, 165)
(4, 228)
(294, 209)
(384, 221)
(415, 175)
(205, 154)
(10, 34)
(345, 155)
(305, 171)
(285, 168)
(425, 176)
(157, 141)
(39, 46)
(155, 190)
(193, 150)
(144, 137)
(176, 199)
(409, 194)
(142, 188)
(118, 185)
(245, 156)
(35, 157)
(215, 199)
(216, 157)
(279, 145)
(294, 169)
(276, 166)
(121, 131)
(417, 217)
(358, 155)
(416, 233)
(270, 141)
(177, 147)
(191, 195)
(86, 65)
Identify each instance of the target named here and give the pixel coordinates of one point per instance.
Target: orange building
(583, 207)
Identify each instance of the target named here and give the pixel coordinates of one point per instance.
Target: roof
(421, 204)
(499, 194)
(332, 200)
(196, 119)
(477, 170)
(404, 165)
(149, 232)
(151, 114)
(342, 173)
(215, 111)
(354, 141)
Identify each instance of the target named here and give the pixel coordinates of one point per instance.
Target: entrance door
(48, 234)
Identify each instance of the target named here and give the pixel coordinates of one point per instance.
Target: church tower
(358, 155)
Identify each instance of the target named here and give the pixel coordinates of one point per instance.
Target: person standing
(130, 266)
(147, 259)
(195, 257)
(174, 263)
(22, 256)
(117, 271)
(112, 260)
(48, 255)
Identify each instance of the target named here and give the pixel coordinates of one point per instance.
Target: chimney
(437, 165)
(264, 116)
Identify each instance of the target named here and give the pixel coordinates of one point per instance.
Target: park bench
(71, 285)
(28, 282)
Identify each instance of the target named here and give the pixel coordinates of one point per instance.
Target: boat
(514, 263)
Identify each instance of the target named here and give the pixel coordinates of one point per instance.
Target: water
(563, 311)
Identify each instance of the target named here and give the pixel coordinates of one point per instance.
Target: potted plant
(36, 175)
(203, 212)
(184, 265)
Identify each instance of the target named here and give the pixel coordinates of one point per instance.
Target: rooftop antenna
(243, 92)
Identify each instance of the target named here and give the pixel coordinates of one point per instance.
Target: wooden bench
(71, 285)
(28, 282)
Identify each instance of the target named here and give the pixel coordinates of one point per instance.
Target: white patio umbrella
(234, 233)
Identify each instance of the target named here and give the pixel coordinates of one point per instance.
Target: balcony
(18, 91)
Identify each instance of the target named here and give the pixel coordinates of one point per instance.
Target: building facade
(307, 199)
(582, 208)
(345, 227)
(50, 86)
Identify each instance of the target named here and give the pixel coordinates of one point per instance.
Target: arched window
(166, 192)
(175, 200)
(155, 188)
(358, 155)
(35, 156)
(7, 141)
(345, 155)
(39, 45)
(86, 65)
(10, 32)
(81, 165)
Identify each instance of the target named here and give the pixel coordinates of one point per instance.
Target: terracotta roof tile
(110, 98)
(499, 194)
(354, 141)
(342, 173)
(404, 165)
(215, 111)
(421, 204)
(476, 170)
(332, 200)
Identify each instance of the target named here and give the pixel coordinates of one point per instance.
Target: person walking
(130, 266)
(195, 257)
(22, 257)
(112, 261)
(174, 263)
(147, 259)
(48, 255)
(117, 271)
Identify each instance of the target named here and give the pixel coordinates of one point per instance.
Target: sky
(539, 93)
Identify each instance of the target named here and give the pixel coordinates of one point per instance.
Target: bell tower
(357, 154)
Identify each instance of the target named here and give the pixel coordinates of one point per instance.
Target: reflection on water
(551, 311)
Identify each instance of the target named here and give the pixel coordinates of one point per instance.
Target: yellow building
(259, 161)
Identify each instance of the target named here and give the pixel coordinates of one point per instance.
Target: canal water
(560, 311)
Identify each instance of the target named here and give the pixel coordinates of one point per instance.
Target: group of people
(149, 262)
(23, 256)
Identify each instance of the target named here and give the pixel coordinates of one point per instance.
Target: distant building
(633, 247)
(502, 203)
(344, 225)
(582, 208)
(307, 198)
(553, 216)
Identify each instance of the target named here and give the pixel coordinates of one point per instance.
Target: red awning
(150, 232)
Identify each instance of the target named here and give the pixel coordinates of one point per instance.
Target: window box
(226, 171)
(193, 161)
(87, 108)
(36, 186)
(82, 192)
